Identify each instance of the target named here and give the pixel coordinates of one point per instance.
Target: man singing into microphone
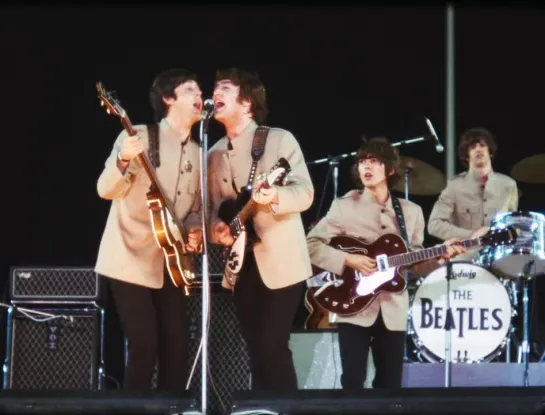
(471, 199)
(270, 284)
(151, 308)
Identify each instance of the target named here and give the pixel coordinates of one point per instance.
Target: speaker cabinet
(54, 349)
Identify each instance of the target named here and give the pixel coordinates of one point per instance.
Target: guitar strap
(400, 218)
(258, 148)
(153, 150)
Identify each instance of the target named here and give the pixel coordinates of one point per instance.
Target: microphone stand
(334, 161)
(203, 133)
(448, 331)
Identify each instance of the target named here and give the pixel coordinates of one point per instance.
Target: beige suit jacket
(357, 214)
(128, 250)
(282, 255)
(465, 206)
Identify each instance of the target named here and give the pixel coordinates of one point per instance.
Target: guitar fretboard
(428, 253)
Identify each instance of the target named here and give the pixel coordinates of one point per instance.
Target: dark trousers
(155, 323)
(266, 317)
(387, 347)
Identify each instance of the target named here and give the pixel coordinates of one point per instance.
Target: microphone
(438, 147)
(208, 109)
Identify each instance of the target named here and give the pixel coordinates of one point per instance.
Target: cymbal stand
(334, 163)
(407, 172)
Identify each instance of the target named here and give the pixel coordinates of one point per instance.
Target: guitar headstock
(108, 100)
(278, 173)
(500, 236)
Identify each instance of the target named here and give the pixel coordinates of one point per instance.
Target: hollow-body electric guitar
(238, 214)
(352, 292)
(169, 232)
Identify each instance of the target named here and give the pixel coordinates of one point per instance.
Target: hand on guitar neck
(130, 148)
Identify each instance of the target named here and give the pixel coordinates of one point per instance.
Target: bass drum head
(481, 314)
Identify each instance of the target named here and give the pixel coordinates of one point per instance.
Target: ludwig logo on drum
(464, 273)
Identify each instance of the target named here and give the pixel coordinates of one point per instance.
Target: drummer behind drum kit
(483, 296)
(484, 293)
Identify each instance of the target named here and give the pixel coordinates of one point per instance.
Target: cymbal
(424, 179)
(530, 169)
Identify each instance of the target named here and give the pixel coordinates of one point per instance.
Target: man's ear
(247, 104)
(392, 171)
(168, 100)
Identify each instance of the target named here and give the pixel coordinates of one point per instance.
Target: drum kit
(484, 292)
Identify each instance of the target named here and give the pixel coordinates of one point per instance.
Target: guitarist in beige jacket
(152, 310)
(269, 286)
(367, 214)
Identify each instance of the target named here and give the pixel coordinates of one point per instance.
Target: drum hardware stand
(525, 342)
(448, 331)
(514, 299)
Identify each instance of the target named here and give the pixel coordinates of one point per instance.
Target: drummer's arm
(440, 222)
(513, 203)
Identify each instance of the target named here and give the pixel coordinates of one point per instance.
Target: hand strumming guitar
(361, 263)
(222, 233)
(194, 240)
(265, 195)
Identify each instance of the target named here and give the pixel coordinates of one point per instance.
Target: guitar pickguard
(172, 227)
(368, 284)
(235, 259)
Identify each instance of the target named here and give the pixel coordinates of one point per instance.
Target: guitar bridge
(382, 262)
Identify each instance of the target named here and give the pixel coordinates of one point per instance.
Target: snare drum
(509, 260)
(481, 313)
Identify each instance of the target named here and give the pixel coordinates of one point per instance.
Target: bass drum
(481, 314)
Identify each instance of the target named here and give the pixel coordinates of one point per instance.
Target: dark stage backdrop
(332, 75)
